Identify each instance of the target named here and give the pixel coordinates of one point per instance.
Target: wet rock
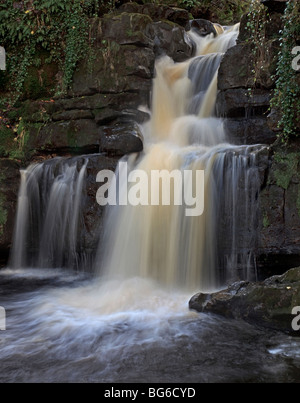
(203, 27)
(236, 75)
(9, 185)
(241, 75)
(253, 130)
(267, 303)
(246, 115)
(86, 136)
(92, 225)
(171, 40)
(280, 204)
(239, 102)
(121, 138)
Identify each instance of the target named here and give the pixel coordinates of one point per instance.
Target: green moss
(243, 71)
(13, 143)
(33, 88)
(13, 115)
(72, 136)
(286, 166)
(7, 143)
(292, 276)
(266, 221)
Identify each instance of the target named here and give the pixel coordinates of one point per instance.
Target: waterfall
(48, 214)
(161, 242)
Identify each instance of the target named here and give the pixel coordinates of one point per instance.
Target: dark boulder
(171, 40)
(121, 138)
(203, 27)
(269, 303)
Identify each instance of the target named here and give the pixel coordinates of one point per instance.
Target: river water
(130, 322)
(68, 327)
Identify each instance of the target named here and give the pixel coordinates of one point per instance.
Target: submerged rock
(269, 303)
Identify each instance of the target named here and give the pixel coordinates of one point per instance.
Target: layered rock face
(244, 96)
(110, 95)
(108, 99)
(102, 108)
(244, 100)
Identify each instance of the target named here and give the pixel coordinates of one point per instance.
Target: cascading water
(130, 327)
(161, 242)
(49, 211)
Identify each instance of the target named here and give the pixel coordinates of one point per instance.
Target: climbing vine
(256, 29)
(287, 94)
(43, 31)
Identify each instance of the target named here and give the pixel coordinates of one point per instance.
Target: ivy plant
(30, 28)
(287, 93)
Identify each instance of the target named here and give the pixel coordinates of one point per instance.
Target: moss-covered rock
(279, 201)
(115, 70)
(158, 13)
(7, 143)
(269, 303)
(225, 12)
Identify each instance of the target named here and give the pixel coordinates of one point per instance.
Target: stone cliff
(111, 93)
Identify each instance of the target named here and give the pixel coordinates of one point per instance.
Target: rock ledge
(269, 303)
